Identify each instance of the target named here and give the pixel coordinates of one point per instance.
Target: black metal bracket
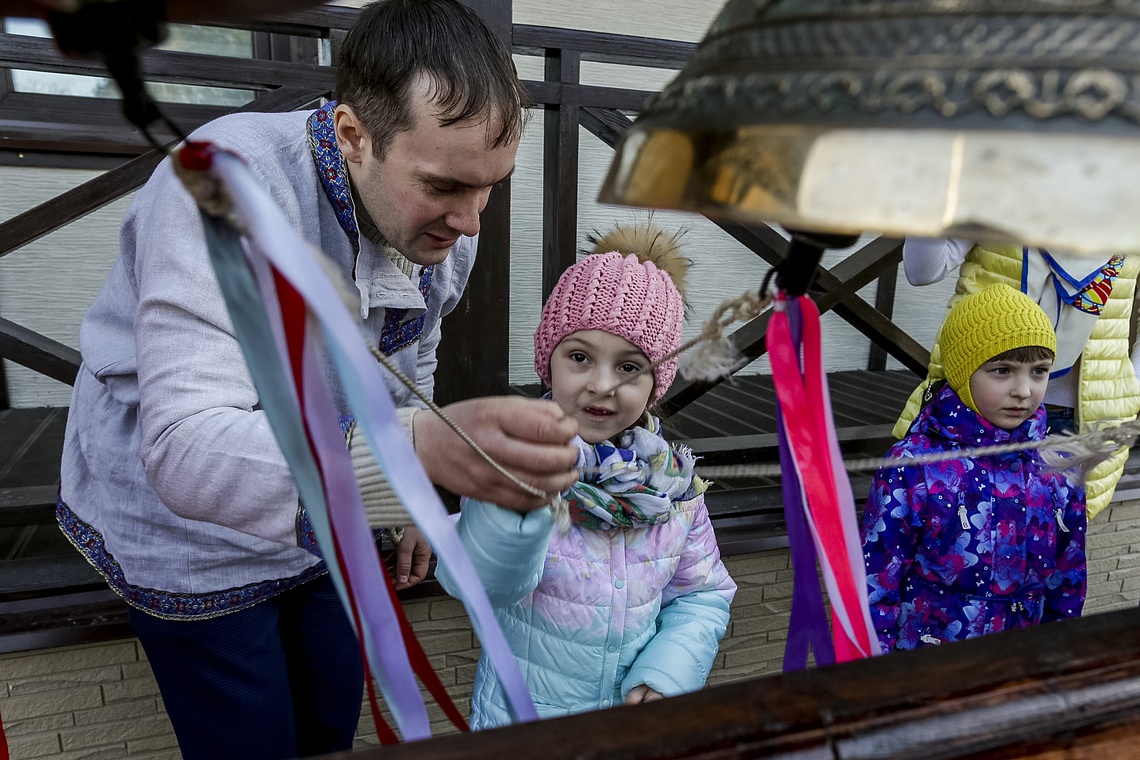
(794, 275)
(116, 31)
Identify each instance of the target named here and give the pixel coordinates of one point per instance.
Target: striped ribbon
(807, 627)
(806, 408)
(286, 315)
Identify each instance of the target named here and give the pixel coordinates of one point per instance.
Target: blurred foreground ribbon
(287, 314)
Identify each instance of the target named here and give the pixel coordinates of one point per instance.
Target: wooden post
(885, 305)
(560, 170)
(474, 351)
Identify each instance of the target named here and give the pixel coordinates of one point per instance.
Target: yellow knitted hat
(982, 325)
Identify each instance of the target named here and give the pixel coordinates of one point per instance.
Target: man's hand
(412, 555)
(642, 693)
(528, 437)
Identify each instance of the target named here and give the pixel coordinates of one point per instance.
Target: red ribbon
(802, 401)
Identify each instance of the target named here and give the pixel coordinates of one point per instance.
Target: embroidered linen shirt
(172, 483)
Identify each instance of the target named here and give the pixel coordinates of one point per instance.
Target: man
(173, 485)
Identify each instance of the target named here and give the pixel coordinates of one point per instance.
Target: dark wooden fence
(1068, 690)
(285, 74)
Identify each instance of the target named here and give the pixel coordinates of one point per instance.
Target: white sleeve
(1136, 355)
(928, 260)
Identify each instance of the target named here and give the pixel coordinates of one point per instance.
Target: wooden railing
(1063, 690)
(288, 77)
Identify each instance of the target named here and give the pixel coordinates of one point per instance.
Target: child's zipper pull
(929, 393)
(963, 518)
(926, 638)
(1061, 520)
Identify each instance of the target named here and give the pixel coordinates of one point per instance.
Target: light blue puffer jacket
(591, 614)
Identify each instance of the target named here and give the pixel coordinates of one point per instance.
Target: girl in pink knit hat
(617, 593)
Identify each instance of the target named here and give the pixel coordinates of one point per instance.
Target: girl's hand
(412, 555)
(642, 693)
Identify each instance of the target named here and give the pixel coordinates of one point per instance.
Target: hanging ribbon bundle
(818, 502)
(287, 312)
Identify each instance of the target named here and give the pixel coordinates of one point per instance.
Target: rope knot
(192, 161)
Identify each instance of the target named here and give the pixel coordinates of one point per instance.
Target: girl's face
(586, 365)
(1007, 393)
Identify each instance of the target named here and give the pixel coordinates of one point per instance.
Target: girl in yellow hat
(976, 545)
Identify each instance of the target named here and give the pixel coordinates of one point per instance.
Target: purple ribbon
(808, 627)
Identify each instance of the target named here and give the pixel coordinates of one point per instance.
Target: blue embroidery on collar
(333, 172)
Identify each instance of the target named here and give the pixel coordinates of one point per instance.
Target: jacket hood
(947, 419)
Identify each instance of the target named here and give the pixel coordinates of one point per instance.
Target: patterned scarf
(633, 484)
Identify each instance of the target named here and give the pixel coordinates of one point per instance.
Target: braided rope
(1066, 452)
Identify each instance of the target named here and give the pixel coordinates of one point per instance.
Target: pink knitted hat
(623, 295)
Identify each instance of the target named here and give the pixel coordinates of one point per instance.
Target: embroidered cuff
(381, 504)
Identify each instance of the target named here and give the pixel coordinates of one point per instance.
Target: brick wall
(100, 702)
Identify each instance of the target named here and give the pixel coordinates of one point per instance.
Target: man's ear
(351, 137)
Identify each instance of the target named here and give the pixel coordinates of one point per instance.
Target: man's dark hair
(469, 68)
(1024, 355)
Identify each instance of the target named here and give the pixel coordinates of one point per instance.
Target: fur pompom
(649, 243)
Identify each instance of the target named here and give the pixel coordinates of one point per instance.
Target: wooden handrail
(1069, 689)
(38, 352)
(749, 340)
(603, 47)
(76, 203)
(34, 53)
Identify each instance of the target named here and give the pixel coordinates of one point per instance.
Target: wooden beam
(5, 396)
(849, 276)
(553, 93)
(884, 333)
(603, 47)
(1061, 690)
(112, 185)
(885, 305)
(37, 54)
(38, 352)
(560, 173)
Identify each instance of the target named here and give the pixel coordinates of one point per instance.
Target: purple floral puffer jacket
(967, 547)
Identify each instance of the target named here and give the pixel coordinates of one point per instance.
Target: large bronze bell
(1000, 120)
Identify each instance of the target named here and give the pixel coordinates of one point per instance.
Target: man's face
(432, 182)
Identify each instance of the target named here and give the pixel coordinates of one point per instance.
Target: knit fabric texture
(620, 295)
(985, 324)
